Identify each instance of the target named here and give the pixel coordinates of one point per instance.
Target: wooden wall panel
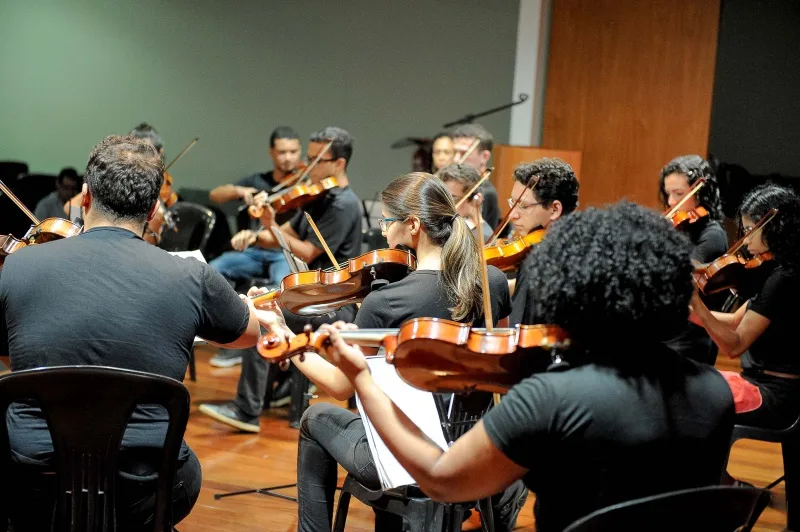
(629, 85)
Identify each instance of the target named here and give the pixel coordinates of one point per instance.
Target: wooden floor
(234, 461)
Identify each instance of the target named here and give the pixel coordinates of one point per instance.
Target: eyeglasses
(384, 223)
(523, 207)
(310, 159)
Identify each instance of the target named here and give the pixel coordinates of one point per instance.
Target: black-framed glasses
(310, 159)
(384, 223)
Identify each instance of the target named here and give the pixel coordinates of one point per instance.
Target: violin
(682, 220)
(731, 269)
(167, 195)
(440, 355)
(294, 198)
(41, 231)
(317, 292)
(8, 245)
(508, 254)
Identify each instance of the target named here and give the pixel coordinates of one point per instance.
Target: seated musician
(248, 261)
(463, 137)
(630, 418)
(460, 179)
(419, 214)
(555, 195)
(443, 153)
(68, 184)
(708, 238)
(120, 302)
(761, 333)
(337, 215)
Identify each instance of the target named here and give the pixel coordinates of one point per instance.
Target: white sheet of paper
(186, 254)
(420, 408)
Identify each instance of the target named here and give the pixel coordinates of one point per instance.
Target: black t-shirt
(420, 295)
(490, 209)
(709, 240)
(106, 297)
(338, 217)
(595, 435)
(777, 301)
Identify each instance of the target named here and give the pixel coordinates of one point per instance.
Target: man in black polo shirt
(463, 137)
(337, 214)
(106, 297)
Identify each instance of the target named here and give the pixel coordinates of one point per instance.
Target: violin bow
(475, 144)
(19, 204)
(182, 153)
(697, 186)
(531, 184)
(322, 241)
(758, 227)
(484, 177)
(487, 305)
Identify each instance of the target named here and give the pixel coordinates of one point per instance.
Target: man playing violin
(707, 236)
(337, 215)
(68, 184)
(460, 179)
(629, 418)
(463, 138)
(555, 195)
(123, 303)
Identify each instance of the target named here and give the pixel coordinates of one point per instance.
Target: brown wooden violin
(731, 269)
(294, 197)
(44, 230)
(317, 292)
(508, 254)
(681, 219)
(441, 355)
(8, 245)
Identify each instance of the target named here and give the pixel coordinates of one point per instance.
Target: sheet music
(420, 408)
(185, 254)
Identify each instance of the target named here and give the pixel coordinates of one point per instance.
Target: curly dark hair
(782, 233)
(342, 147)
(694, 167)
(557, 181)
(124, 175)
(619, 272)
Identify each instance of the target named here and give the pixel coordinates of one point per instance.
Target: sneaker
(226, 358)
(284, 400)
(230, 414)
(282, 395)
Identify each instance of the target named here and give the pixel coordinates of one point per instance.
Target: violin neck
(367, 337)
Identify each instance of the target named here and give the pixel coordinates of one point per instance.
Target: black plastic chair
(87, 409)
(10, 170)
(708, 509)
(420, 512)
(194, 224)
(789, 438)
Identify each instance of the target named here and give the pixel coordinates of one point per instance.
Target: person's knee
(314, 413)
(188, 482)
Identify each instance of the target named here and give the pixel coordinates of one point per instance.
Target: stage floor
(237, 461)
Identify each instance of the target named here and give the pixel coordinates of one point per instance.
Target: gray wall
(74, 71)
(755, 120)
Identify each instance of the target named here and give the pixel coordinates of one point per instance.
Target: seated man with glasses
(459, 179)
(555, 195)
(337, 215)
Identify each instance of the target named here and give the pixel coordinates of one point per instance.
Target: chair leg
(341, 511)
(192, 368)
(775, 482)
(791, 473)
(487, 514)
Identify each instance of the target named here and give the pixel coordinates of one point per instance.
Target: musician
(123, 303)
(708, 237)
(762, 332)
(555, 195)
(337, 215)
(631, 418)
(68, 184)
(419, 214)
(443, 151)
(460, 179)
(463, 137)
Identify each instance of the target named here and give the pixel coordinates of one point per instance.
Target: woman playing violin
(555, 195)
(708, 239)
(634, 419)
(763, 331)
(419, 214)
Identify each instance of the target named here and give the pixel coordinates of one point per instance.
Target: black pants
(32, 504)
(331, 436)
(780, 405)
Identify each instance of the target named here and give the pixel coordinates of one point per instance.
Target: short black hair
(68, 172)
(463, 173)
(476, 131)
(124, 175)
(620, 271)
(557, 181)
(282, 132)
(782, 233)
(443, 134)
(694, 167)
(342, 147)
(146, 131)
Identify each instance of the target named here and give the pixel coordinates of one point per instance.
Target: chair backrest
(87, 409)
(194, 225)
(460, 412)
(707, 509)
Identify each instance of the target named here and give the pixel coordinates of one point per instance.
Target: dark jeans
(781, 401)
(33, 496)
(332, 436)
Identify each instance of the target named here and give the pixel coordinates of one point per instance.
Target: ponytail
(461, 272)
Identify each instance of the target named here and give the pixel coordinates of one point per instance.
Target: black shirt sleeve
(249, 181)
(775, 298)
(519, 425)
(711, 244)
(224, 316)
(331, 223)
